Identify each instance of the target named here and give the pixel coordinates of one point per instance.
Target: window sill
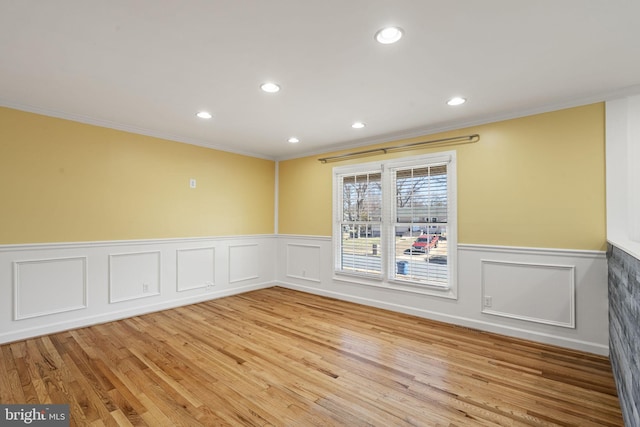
(449, 292)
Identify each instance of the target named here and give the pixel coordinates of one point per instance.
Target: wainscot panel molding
(195, 268)
(243, 262)
(582, 276)
(542, 293)
(303, 261)
(65, 289)
(60, 286)
(134, 275)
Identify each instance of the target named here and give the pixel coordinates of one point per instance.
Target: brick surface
(624, 330)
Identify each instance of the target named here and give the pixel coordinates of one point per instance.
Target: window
(395, 223)
(361, 223)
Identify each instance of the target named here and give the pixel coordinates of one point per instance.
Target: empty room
(337, 213)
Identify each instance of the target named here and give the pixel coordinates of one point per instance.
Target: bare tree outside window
(361, 222)
(362, 197)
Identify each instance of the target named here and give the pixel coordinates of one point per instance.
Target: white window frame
(387, 235)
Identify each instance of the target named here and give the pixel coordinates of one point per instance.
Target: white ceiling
(148, 66)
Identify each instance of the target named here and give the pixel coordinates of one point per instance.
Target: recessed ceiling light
(389, 35)
(358, 125)
(293, 140)
(456, 101)
(270, 87)
(204, 115)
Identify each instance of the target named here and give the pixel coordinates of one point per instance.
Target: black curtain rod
(415, 145)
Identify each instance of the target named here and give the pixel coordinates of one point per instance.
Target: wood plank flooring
(277, 357)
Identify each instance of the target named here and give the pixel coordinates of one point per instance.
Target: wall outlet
(488, 301)
(145, 287)
(192, 183)
(208, 285)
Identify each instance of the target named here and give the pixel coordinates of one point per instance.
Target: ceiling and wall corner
(148, 67)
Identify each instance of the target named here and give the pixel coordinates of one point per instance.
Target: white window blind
(421, 220)
(361, 223)
(395, 222)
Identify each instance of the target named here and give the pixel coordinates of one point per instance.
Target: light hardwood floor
(285, 358)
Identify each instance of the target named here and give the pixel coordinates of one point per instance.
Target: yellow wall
(537, 181)
(62, 181)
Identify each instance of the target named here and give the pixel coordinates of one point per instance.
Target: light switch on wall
(192, 183)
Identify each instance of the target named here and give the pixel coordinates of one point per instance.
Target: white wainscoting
(542, 293)
(547, 295)
(134, 275)
(243, 262)
(46, 288)
(303, 261)
(64, 290)
(196, 268)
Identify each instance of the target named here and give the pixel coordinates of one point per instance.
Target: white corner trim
(276, 199)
